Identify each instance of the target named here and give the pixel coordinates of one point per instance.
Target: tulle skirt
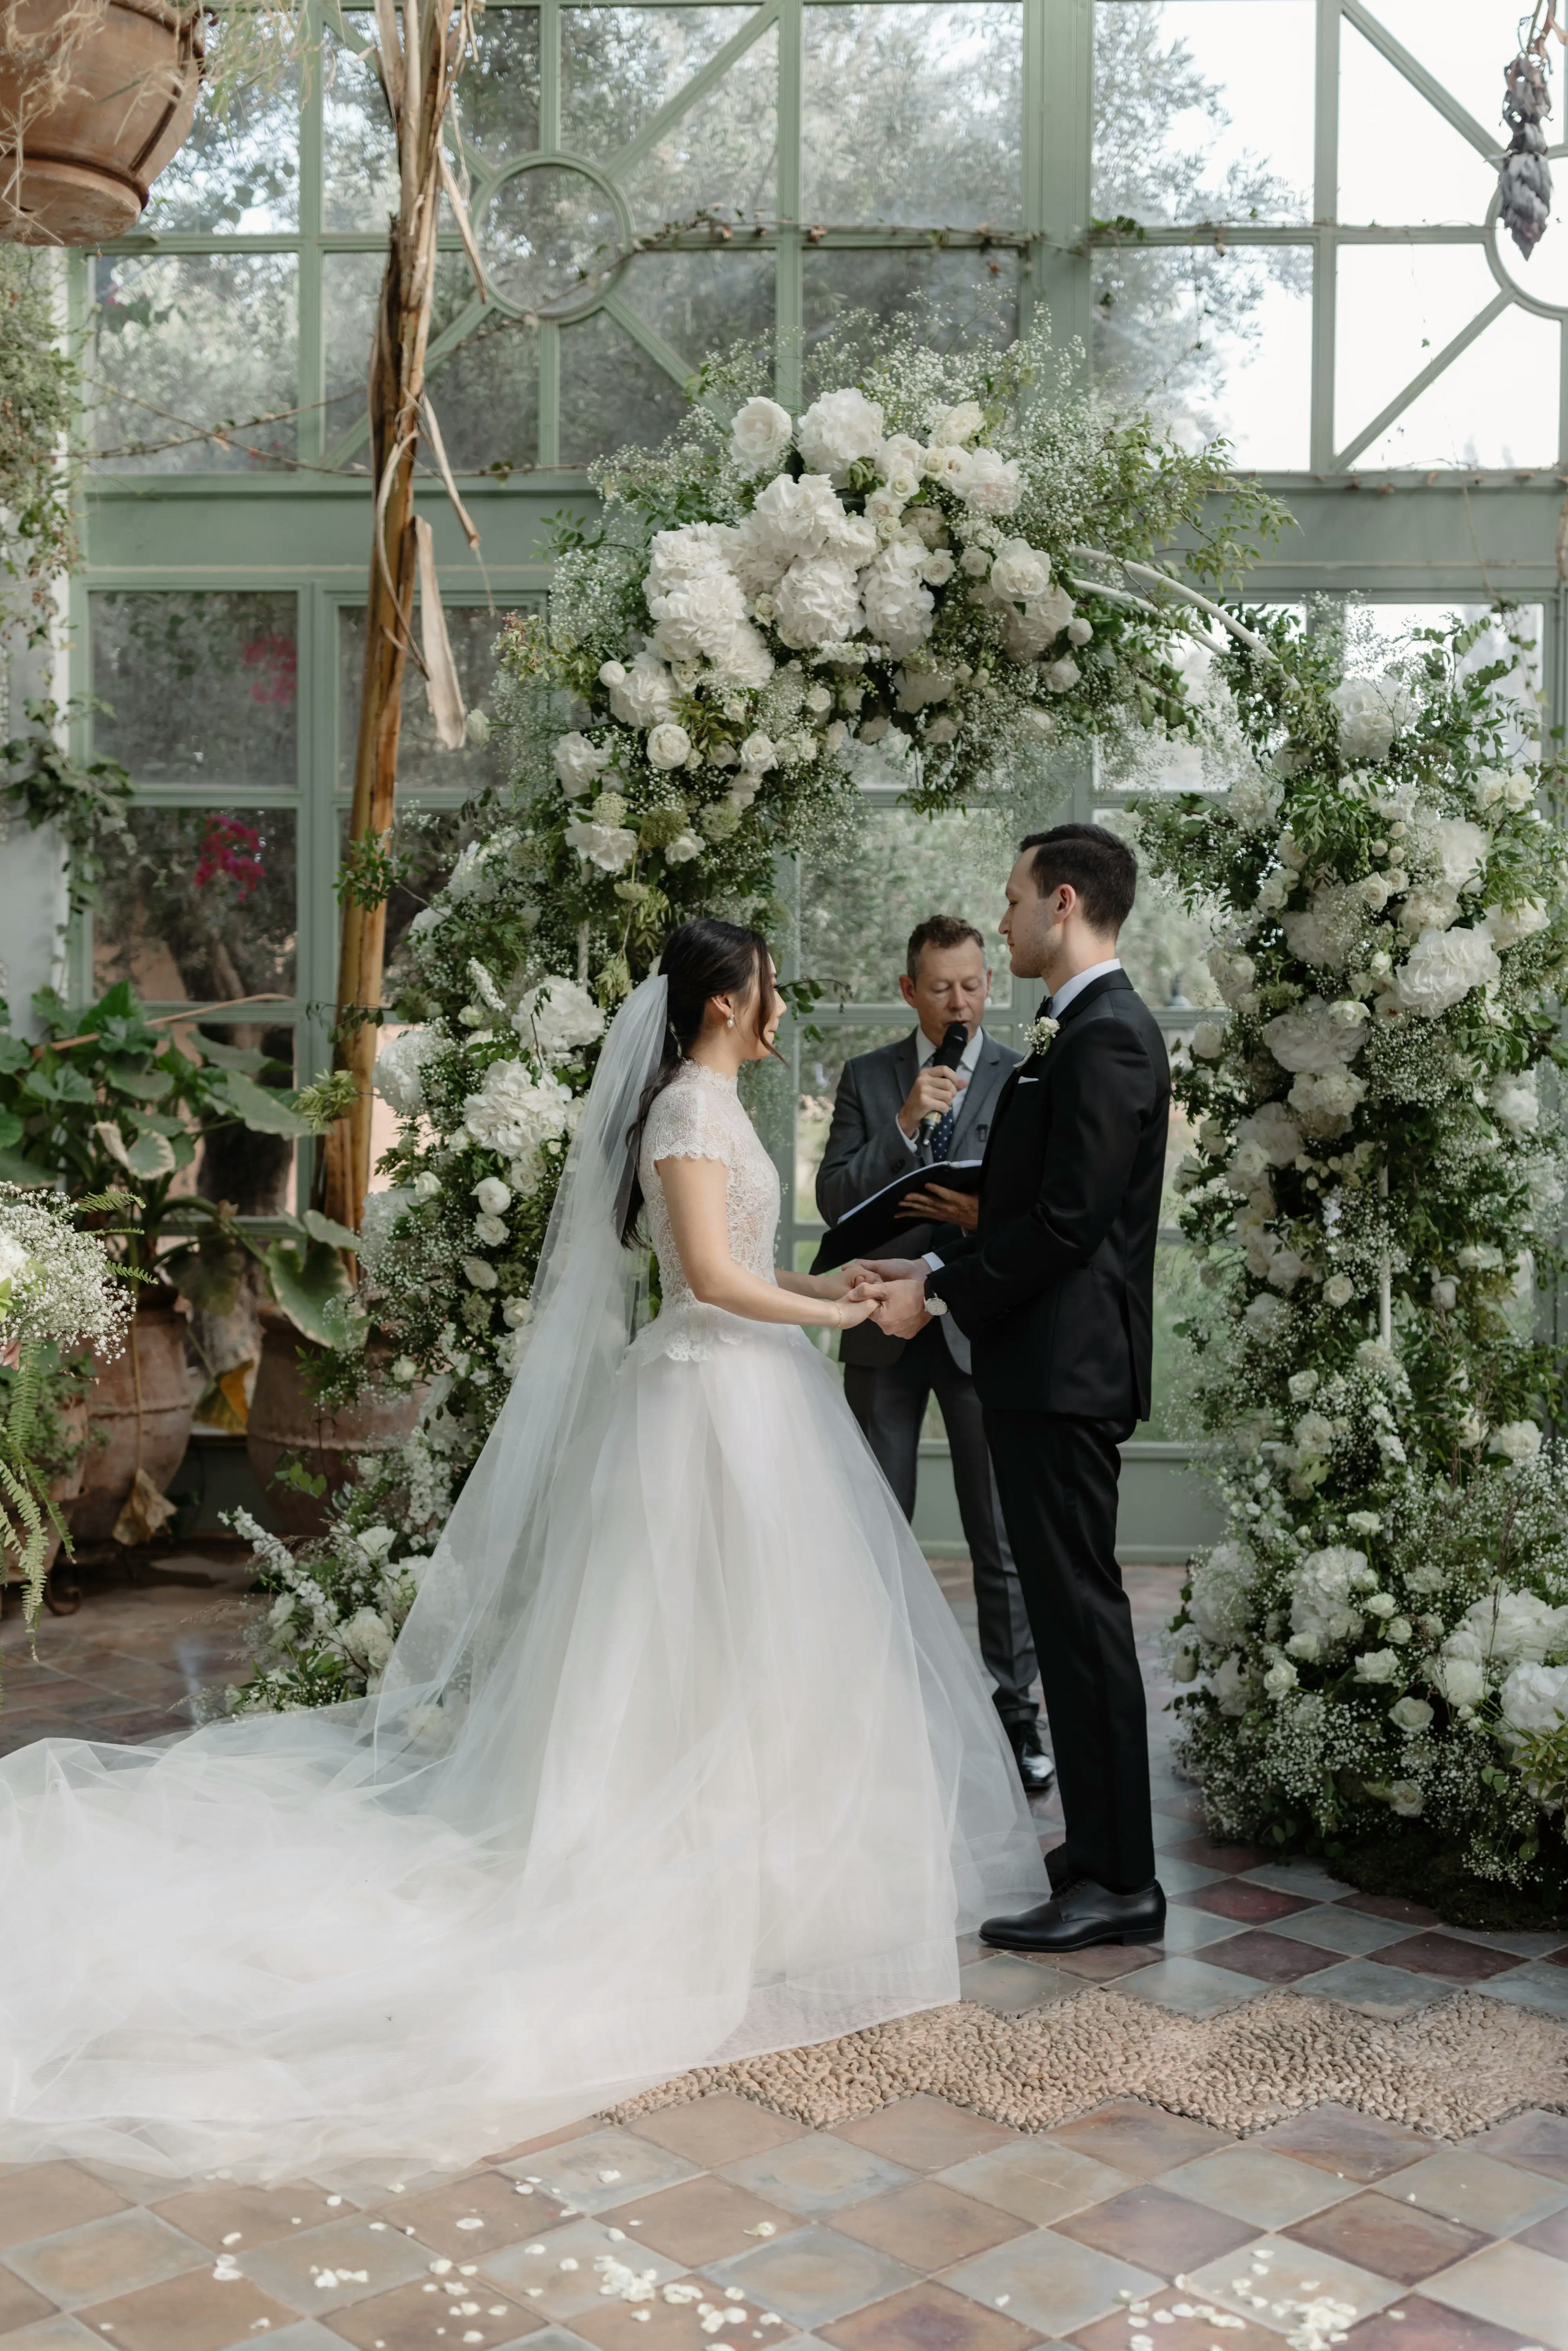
(742, 1787)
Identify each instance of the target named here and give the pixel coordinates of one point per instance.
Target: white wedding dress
(680, 1757)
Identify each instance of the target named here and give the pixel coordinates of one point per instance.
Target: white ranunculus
(759, 435)
(1020, 571)
(1516, 1440)
(1509, 925)
(951, 426)
(988, 483)
(514, 1113)
(819, 602)
(400, 1063)
(668, 745)
(899, 607)
(1411, 1715)
(579, 764)
(557, 1016)
(1309, 1038)
(1221, 1585)
(1514, 1099)
(1371, 711)
(837, 430)
(1535, 1698)
(1443, 967)
(644, 694)
(1274, 1131)
(610, 847)
(1323, 1605)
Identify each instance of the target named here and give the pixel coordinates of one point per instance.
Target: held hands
(932, 1096)
(896, 1286)
(938, 1204)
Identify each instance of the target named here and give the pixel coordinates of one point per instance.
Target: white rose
(758, 753)
(1461, 1681)
(1019, 571)
(643, 695)
(1209, 1042)
(494, 1196)
(975, 562)
(426, 1185)
(1061, 675)
(953, 425)
(759, 435)
(1405, 1798)
(479, 1272)
(683, 849)
(1411, 1713)
(1378, 1666)
(1281, 1677)
(987, 483)
(837, 431)
(668, 745)
(1445, 1292)
(1301, 1385)
(1443, 967)
(579, 764)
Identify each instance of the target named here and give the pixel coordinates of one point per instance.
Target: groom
(1055, 1290)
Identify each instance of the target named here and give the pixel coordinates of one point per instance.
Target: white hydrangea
(951, 427)
(399, 1063)
(1443, 967)
(1514, 1099)
(1229, 1683)
(1509, 925)
(1273, 1132)
(987, 483)
(1324, 933)
(837, 430)
(819, 602)
(380, 1213)
(514, 1112)
(1371, 711)
(1535, 1698)
(1323, 1605)
(1325, 1101)
(1315, 1036)
(1456, 848)
(1221, 1587)
(368, 1639)
(559, 1017)
(900, 609)
(1512, 1627)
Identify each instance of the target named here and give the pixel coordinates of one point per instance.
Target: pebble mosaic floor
(922, 2227)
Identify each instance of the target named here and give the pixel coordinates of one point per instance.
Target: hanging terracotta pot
(284, 1420)
(76, 164)
(141, 1403)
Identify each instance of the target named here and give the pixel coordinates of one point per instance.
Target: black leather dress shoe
(1083, 1913)
(1036, 1769)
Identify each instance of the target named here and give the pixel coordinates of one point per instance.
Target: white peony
(1509, 925)
(1221, 1588)
(400, 1063)
(819, 601)
(759, 435)
(1371, 712)
(837, 430)
(579, 764)
(1516, 1440)
(610, 847)
(557, 1016)
(1312, 1037)
(514, 1113)
(952, 427)
(987, 483)
(1443, 967)
(644, 694)
(668, 745)
(899, 608)
(1324, 1607)
(1535, 1698)
(1019, 571)
(1274, 1132)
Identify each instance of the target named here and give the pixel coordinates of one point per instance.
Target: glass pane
(350, 286)
(193, 355)
(1398, 159)
(200, 684)
(486, 397)
(1203, 112)
(720, 154)
(255, 1172)
(201, 907)
(702, 302)
(621, 66)
(913, 114)
(421, 764)
(359, 159)
(858, 908)
(821, 1066)
(238, 169)
(1496, 406)
(496, 110)
(1379, 630)
(1176, 1292)
(974, 293)
(612, 392)
(1164, 949)
(1212, 342)
(1466, 43)
(543, 232)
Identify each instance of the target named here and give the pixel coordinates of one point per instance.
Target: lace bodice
(699, 1116)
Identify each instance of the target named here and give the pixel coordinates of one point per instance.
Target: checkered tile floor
(921, 2228)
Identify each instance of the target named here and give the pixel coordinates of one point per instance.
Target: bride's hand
(848, 1312)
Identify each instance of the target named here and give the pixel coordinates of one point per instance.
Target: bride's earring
(730, 1022)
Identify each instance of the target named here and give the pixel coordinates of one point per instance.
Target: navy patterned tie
(942, 1133)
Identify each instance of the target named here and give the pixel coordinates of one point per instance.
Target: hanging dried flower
(1524, 185)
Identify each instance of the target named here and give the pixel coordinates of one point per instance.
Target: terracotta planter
(141, 1403)
(285, 1421)
(88, 161)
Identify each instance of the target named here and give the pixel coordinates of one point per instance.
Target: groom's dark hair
(1102, 869)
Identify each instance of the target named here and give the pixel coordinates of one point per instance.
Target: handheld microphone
(949, 1053)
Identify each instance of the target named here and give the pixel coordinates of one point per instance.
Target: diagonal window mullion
(1486, 142)
(717, 66)
(662, 354)
(1417, 385)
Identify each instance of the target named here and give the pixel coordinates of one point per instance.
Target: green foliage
(87, 802)
(37, 409)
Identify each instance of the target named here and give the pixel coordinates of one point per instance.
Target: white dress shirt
(923, 1050)
(1056, 1006)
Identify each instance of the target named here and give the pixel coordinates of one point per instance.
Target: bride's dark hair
(701, 960)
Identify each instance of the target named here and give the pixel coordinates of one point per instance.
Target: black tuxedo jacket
(1055, 1287)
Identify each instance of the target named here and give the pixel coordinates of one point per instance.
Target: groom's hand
(901, 1310)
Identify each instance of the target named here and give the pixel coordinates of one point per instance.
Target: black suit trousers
(1057, 1477)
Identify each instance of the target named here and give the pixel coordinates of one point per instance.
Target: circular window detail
(552, 236)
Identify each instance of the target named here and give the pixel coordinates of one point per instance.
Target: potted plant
(96, 97)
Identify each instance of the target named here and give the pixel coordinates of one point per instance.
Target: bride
(680, 1757)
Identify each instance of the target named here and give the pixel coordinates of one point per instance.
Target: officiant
(903, 1106)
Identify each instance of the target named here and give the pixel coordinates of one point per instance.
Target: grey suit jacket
(866, 1150)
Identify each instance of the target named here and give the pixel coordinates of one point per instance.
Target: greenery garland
(1382, 1639)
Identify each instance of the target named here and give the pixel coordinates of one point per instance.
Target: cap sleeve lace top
(699, 1116)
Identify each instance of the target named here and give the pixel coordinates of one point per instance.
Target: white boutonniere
(1039, 1036)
